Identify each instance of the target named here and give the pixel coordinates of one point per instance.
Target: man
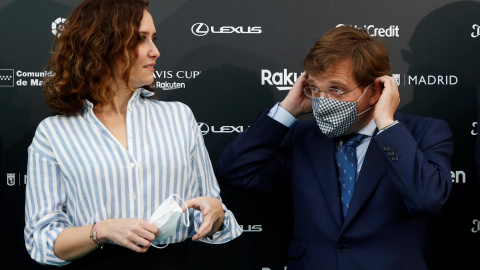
(369, 217)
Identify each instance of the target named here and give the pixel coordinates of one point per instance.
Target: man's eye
(336, 91)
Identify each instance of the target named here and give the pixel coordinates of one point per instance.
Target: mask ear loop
(358, 114)
(186, 216)
(187, 223)
(366, 89)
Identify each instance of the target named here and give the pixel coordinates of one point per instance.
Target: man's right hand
(296, 102)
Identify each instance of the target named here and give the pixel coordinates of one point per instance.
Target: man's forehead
(330, 77)
(341, 72)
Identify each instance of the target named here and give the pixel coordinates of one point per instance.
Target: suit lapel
(322, 153)
(370, 175)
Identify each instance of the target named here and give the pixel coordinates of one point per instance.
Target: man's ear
(377, 89)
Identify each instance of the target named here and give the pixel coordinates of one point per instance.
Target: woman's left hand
(212, 212)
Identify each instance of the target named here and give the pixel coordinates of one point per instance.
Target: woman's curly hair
(87, 48)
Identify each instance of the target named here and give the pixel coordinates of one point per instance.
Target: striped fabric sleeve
(45, 199)
(208, 186)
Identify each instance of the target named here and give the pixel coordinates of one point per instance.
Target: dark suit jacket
(404, 178)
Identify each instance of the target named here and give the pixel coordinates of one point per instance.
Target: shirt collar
(145, 92)
(368, 129)
(88, 105)
(138, 92)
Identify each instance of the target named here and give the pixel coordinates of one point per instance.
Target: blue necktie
(347, 168)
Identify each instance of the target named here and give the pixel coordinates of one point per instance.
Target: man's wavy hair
(369, 55)
(97, 35)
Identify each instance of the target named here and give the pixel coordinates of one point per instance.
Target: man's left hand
(387, 103)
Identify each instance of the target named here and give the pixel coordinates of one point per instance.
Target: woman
(99, 169)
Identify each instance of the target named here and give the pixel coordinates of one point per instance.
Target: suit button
(341, 247)
(386, 148)
(395, 158)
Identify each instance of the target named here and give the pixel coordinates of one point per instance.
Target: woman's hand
(131, 233)
(213, 215)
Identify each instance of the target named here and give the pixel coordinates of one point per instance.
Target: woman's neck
(119, 103)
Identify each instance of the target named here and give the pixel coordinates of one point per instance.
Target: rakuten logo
(391, 31)
(201, 29)
(282, 80)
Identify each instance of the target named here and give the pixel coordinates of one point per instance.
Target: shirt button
(134, 196)
(130, 109)
(132, 164)
(131, 136)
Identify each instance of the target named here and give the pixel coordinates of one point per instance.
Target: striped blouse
(79, 173)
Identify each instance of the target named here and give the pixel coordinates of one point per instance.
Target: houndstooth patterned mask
(335, 117)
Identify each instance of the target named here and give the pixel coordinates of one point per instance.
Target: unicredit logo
(201, 29)
(391, 31)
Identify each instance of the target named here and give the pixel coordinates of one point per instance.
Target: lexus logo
(200, 29)
(204, 128)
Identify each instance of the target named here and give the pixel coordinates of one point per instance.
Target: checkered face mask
(335, 117)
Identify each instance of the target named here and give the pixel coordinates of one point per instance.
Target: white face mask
(166, 218)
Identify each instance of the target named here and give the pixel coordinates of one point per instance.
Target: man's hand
(212, 212)
(296, 102)
(387, 103)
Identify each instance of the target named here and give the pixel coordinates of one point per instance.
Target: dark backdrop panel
(228, 60)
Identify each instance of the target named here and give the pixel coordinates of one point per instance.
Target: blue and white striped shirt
(79, 173)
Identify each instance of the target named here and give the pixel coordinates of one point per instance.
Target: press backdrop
(228, 60)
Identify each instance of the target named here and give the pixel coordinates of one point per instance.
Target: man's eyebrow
(340, 83)
(310, 81)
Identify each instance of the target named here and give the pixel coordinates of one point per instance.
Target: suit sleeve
(256, 159)
(419, 164)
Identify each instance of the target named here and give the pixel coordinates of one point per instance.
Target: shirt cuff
(229, 231)
(387, 127)
(282, 116)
